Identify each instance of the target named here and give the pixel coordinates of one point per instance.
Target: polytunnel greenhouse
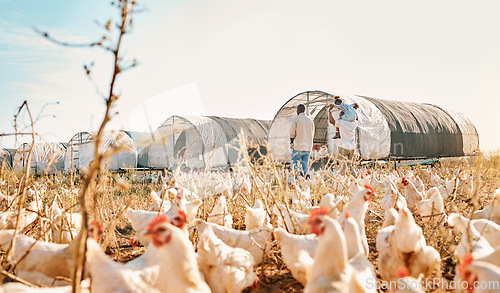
(7, 155)
(81, 149)
(386, 129)
(46, 157)
(204, 142)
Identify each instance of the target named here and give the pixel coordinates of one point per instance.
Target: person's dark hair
(301, 108)
(338, 101)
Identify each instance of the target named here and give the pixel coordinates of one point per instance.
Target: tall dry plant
(123, 26)
(24, 187)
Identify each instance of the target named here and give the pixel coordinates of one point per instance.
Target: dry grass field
(115, 191)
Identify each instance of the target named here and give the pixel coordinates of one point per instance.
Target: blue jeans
(302, 158)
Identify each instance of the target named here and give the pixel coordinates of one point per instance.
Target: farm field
(287, 204)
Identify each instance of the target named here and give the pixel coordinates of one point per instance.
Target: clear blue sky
(246, 58)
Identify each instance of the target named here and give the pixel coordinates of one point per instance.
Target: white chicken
(65, 225)
(159, 205)
(327, 272)
(448, 188)
(169, 264)
(492, 211)
(403, 245)
(140, 220)
(256, 216)
(290, 220)
(355, 252)
(489, 230)
(28, 215)
(301, 200)
(332, 203)
(354, 187)
(110, 276)
(357, 208)
(465, 184)
(493, 258)
(393, 198)
(224, 186)
(226, 269)
(480, 276)
(257, 242)
(290, 245)
(180, 204)
(412, 195)
(242, 184)
(390, 217)
(220, 214)
(471, 239)
(46, 261)
(431, 206)
(419, 185)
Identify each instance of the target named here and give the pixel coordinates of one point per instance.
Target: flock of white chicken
(324, 246)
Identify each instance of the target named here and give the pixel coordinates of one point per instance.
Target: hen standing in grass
(479, 276)
(403, 245)
(328, 272)
(357, 208)
(256, 241)
(492, 211)
(412, 195)
(290, 245)
(220, 214)
(256, 216)
(46, 261)
(226, 269)
(432, 205)
(169, 263)
(110, 276)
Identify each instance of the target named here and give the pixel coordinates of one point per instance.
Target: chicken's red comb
(402, 272)
(370, 188)
(464, 263)
(317, 212)
(157, 220)
(96, 224)
(403, 180)
(347, 214)
(182, 214)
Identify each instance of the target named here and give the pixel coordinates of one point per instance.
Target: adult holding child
(346, 126)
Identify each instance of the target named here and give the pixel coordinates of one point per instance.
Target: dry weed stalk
(126, 9)
(24, 185)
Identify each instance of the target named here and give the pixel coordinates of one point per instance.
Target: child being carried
(348, 112)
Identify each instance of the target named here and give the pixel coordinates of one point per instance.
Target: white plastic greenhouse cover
(203, 143)
(199, 142)
(82, 146)
(373, 130)
(45, 157)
